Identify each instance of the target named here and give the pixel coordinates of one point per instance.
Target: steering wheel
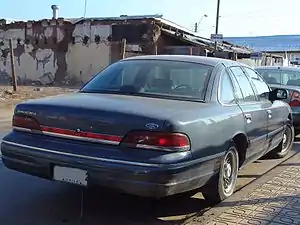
(183, 86)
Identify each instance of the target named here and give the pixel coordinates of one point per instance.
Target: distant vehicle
(289, 79)
(153, 126)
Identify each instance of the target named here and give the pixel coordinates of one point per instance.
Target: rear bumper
(143, 179)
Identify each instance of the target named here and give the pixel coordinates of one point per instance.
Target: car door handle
(269, 113)
(248, 118)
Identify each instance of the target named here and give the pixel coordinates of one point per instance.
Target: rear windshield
(152, 78)
(283, 77)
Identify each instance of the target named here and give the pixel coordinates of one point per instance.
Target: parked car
(153, 126)
(289, 79)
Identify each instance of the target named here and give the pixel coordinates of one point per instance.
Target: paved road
(27, 200)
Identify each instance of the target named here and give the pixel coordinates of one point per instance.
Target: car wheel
(285, 145)
(223, 185)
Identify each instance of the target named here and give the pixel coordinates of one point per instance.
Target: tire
(217, 190)
(285, 145)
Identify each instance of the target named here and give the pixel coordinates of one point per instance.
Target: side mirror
(278, 94)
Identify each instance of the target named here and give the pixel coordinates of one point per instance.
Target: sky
(237, 17)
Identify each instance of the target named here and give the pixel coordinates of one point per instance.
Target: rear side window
(290, 77)
(260, 86)
(226, 93)
(280, 76)
(272, 76)
(244, 84)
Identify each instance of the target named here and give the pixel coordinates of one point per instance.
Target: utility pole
(85, 6)
(198, 23)
(12, 61)
(217, 22)
(123, 48)
(196, 27)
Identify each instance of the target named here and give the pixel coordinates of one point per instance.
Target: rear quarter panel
(285, 109)
(210, 129)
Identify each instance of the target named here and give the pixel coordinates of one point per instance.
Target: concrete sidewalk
(272, 199)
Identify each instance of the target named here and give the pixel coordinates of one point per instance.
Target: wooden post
(235, 56)
(155, 49)
(191, 50)
(123, 48)
(12, 61)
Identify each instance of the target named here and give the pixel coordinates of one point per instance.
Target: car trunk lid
(102, 117)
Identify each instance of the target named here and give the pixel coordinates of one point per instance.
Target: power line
(244, 13)
(257, 17)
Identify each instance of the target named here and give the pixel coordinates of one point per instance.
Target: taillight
(295, 99)
(25, 122)
(157, 140)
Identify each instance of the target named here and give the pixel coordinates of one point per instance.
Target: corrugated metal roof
(277, 43)
(227, 47)
(188, 38)
(10, 20)
(118, 18)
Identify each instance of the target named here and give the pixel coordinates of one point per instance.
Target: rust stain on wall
(60, 53)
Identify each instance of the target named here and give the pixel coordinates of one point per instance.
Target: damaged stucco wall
(53, 51)
(57, 51)
(89, 52)
(38, 50)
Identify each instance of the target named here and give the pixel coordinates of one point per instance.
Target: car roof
(212, 61)
(290, 68)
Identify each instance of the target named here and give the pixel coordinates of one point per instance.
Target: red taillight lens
(157, 140)
(25, 122)
(295, 99)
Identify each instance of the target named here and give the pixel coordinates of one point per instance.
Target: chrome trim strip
(69, 136)
(169, 149)
(21, 129)
(81, 138)
(199, 160)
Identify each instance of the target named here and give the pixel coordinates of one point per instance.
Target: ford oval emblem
(152, 126)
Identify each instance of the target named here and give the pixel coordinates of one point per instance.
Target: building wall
(87, 56)
(264, 61)
(59, 52)
(54, 51)
(291, 56)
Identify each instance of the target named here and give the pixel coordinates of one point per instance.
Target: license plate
(70, 175)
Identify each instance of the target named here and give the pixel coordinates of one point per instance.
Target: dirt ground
(8, 98)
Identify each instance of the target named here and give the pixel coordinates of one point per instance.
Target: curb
(210, 215)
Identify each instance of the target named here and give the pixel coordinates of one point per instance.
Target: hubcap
(229, 172)
(286, 140)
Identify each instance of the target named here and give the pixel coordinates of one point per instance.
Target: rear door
(274, 110)
(254, 111)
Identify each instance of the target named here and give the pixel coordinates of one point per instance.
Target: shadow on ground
(44, 202)
(62, 205)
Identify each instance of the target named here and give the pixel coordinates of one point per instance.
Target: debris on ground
(9, 98)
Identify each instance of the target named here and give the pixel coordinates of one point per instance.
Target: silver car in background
(289, 79)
